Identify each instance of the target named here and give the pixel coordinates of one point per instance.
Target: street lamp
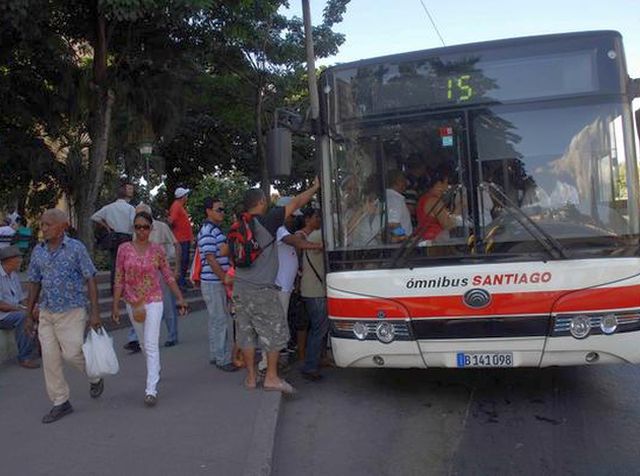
(146, 149)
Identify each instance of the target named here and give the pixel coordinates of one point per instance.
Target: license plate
(484, 359)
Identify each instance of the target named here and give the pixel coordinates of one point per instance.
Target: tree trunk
(100, 123)
(265, 182)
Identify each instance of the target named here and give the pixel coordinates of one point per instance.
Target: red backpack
(244, 249)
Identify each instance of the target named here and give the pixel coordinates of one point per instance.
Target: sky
(380, 27)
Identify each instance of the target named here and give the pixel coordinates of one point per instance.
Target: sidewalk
(205, 422)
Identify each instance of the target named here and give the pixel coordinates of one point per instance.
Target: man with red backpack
(259, 315)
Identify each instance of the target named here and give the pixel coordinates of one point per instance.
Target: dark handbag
(297, 314)
(116, 239)
(103, 238)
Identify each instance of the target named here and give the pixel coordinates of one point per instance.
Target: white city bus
(537, 138)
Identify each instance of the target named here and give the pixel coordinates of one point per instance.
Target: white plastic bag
(99, 355)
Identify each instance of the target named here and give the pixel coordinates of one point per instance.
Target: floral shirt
(138, 275)
(62, 273)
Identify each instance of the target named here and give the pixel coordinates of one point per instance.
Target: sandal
(249, 386)
(284, 387)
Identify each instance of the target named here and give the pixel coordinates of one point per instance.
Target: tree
(229, 188)
(104, 18)
(83, 83)
(272, 54)
(79, 44)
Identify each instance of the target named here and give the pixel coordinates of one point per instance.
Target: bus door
(434, 282)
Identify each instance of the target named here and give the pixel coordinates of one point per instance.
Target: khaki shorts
(260, 320)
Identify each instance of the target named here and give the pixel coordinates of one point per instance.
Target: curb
(260, 455)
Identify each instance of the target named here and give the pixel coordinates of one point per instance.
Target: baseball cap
(284, 201)
(181, 192)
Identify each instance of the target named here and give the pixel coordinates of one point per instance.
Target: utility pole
(321, 140)
(311, 68)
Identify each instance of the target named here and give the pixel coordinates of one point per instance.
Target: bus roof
(479, 46)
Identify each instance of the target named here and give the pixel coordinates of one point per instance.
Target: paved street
(448, 422)
(203, 424)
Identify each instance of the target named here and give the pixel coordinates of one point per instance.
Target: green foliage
(229, 187)
(190, 76)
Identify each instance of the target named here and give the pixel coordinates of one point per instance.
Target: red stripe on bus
(501, 304)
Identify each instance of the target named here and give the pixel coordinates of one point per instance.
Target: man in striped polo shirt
(214, 252)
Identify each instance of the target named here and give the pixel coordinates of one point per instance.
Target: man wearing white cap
(181, 225)
(6, 232)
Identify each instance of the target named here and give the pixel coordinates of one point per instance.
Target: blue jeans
(220, 322)
(169, 312)
(15, 320)
(185, 249)
(318, 328)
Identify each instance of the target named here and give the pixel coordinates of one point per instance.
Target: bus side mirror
(634, 87)
(279, 157)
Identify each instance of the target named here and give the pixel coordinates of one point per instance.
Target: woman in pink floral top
(140, 265)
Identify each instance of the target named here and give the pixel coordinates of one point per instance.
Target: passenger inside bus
(365, 224)
(434, 218)
(349, 191)
(417, 184)
(398, 217)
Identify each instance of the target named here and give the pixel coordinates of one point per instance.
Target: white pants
(149, 336)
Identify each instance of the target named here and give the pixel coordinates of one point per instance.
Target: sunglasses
(142, 227)
(219, 210)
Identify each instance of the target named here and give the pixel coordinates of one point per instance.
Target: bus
(525, 151)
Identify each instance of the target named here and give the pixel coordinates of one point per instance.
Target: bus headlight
(385, 332)
(600, 323)
(580, 327)
(609, 324)
(360, 330)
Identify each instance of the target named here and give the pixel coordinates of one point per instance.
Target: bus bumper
(525, 352)
(598, 349)
(371, 353)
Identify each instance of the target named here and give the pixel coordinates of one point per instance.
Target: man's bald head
(143, 207)
(53, 224)
(55, 215)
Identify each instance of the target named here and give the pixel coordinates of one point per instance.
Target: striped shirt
(210, 237)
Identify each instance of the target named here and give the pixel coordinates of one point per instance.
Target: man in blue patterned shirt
(60, 268)
(214, 251)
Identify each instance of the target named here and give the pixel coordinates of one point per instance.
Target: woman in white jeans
(140, 265)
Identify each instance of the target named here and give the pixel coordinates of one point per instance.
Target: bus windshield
(564, 166)
(521, 147)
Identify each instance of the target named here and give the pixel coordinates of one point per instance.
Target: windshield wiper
(410, 243)
(548, 242)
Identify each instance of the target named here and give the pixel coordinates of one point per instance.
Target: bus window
(383, 167)
(564, 168)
